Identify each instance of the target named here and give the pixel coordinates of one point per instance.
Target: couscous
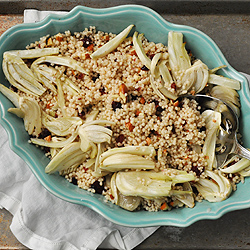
(115, 121)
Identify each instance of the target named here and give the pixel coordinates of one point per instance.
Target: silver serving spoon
(227, 142)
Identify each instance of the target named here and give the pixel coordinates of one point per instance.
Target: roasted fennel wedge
(150, 184)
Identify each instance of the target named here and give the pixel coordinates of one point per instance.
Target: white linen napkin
(43, 221)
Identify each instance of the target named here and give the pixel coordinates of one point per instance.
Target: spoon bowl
(227, 142)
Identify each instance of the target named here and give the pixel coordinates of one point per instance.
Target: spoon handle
(241, 151)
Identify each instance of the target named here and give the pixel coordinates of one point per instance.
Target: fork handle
(241, 151)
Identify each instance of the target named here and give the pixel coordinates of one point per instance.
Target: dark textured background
(228, 24)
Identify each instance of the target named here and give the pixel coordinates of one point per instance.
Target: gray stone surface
(228, 24)
(231, 32)
(168, 6)
(231, 231)
(7, 239)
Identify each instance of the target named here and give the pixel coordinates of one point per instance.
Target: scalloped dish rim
(61, 188)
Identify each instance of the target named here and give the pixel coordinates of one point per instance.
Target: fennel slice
(137, 43)
(132, 183)
(32, 115)
(11, 95)
(236, 167)
(224, 81)
(213, 120)
(187, 199)
(28, 75)
(42, 77)
(51, 144)
(24, 72)
(178, 57)
(165, 73)
(72, 86)
(61, 60)
(152, 81)
(153, 66)
(12, 81)
(62, 155)
(22, 81)
(168, 94)
(124, 159)
(245, 172)
(17, 111)
(136, 150)
(121, 161)
(60, 97)
(33, 53)
(127, 202)
(75, 159)
(112, 44)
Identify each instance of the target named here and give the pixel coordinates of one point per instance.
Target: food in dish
(105, 109)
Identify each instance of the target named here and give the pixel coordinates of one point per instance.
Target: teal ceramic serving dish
(155, 29)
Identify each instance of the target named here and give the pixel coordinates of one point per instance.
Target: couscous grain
(117, 86)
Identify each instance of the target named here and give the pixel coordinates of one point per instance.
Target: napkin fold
(43, 221)
(33, 16)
